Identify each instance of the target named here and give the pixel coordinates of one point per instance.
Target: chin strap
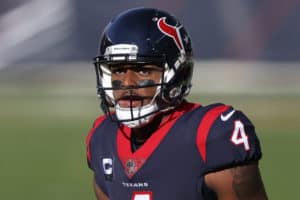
(136, 117)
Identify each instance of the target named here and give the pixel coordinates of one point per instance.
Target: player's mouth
(131, 101)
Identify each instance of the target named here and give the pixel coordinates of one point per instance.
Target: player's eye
(144, 71)
(118, 71)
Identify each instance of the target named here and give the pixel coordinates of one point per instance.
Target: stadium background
(247, 55)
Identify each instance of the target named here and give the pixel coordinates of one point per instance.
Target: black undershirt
(135, 145)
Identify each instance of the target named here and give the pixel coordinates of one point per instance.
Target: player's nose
(130, 78)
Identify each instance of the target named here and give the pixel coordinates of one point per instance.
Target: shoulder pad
(96, 124)
(226, 137)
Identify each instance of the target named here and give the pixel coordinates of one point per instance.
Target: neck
(140, 135)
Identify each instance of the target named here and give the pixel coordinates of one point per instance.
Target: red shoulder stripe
(97, 122)
(204, 127)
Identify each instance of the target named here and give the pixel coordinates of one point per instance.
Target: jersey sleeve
(229, 140)
(92, 161)
(89, 142)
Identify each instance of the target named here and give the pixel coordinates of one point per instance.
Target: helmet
(145, 36)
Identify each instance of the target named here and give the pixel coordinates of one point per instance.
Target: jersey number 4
(239, 136)
(142, 195)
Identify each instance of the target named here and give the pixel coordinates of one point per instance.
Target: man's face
(127, 77)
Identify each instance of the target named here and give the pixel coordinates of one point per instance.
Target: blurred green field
(42, 145)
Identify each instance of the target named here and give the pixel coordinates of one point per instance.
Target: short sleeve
(231, 141)
(93, 162)
(89, 140)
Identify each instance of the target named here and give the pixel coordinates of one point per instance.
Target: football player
(152, 144)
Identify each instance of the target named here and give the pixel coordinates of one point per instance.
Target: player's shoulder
(222, 113)
(219, 120)
(97, 122)
(93, 132)
(226, 136)
(197, 114)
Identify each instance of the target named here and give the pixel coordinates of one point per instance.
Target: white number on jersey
(142, 195)
(239, 135)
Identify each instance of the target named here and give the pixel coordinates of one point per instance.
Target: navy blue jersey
(171, 164)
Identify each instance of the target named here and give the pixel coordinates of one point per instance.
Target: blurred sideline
(210, 77)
